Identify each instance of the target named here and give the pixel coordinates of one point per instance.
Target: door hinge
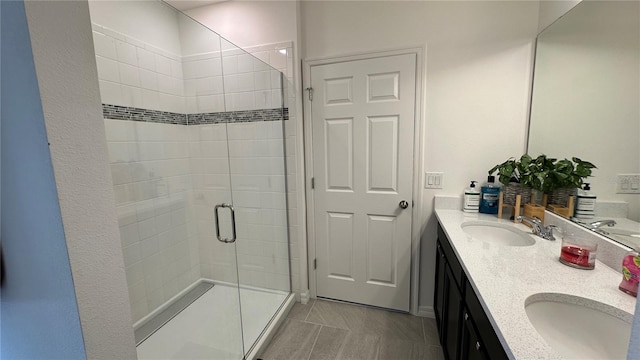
(313, 183)
(310, 90)
(315, 264)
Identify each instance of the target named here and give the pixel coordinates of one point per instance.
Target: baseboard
(304, 296)
(426, 311)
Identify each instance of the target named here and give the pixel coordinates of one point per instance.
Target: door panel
(381, 250)
(339, 147)
(340, 245)
(382, 154)
(363, 120)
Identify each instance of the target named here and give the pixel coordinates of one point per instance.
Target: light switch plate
(628, 184)
(433, 180)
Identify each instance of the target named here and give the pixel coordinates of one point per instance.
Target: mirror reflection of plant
(539, 172)
(569, 173)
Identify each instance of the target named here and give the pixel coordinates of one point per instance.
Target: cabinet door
(438, 301)
(453, 301)
(471, 347)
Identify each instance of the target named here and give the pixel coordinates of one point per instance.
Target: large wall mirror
(586, 103)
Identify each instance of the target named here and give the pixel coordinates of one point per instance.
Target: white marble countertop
(504, 276)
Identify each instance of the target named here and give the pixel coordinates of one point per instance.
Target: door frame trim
(418, 169)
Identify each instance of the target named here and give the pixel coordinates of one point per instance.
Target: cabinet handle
(478, 345)
(466, 316)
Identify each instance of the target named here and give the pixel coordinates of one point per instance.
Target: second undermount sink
(497, 233)
(580, 328)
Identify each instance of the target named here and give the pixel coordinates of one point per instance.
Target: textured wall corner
(68, 81)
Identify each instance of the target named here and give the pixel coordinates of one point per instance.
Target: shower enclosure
(194, 128)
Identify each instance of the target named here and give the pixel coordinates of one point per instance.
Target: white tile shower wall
(253, 160)
(280, 57)
(133, 73)
(232, 80)
(151, 175)
(209, 166)
(203, 83)
(256, 155)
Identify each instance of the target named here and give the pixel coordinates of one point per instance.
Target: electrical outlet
(433, 180)
(628, 184)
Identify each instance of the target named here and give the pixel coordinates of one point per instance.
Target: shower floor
(210, 327)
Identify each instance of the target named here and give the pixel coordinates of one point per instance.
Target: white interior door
(363, 119)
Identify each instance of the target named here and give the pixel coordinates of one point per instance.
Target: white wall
(152, 22)
(68, 82)
(250, 23)
(550, 11)
(477, 78)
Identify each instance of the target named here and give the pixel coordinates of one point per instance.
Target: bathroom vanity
(459, 315)
(488, 284)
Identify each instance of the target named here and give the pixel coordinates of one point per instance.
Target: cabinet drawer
(492, 345)
(452, 259)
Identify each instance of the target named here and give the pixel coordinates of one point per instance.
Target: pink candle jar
(577, 252)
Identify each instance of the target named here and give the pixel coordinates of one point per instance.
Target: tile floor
(323, 330)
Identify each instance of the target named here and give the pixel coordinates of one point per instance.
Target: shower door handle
(233, 223)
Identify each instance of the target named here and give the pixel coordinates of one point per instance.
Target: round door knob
(403, 204)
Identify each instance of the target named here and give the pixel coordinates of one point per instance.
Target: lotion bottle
(471, 198)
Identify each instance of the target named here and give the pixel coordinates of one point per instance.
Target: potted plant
(521, 176)
(565, 178)
(537, 177)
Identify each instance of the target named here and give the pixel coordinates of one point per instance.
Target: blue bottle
(489, 196)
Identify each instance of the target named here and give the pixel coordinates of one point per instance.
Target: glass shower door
(194, 127)
(256, 145)
(211, 198)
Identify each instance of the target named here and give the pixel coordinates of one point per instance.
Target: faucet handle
(534, 221)
(556, 228)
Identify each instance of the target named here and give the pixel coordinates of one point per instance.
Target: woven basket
(512, 190)
(561, 196)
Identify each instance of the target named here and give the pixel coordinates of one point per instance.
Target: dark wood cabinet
(471, 347)
(438, 302)
(463, 327)
(453, 305)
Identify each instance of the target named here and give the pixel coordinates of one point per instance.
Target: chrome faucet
(598, 224)
(545, 232)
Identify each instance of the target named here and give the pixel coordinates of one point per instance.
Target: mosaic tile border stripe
(117, 112)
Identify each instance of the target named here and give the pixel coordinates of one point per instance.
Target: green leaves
(543, 173)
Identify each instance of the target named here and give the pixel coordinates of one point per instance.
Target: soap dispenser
(471, 198)
(489, 196)
(586, 203)
(630, 272)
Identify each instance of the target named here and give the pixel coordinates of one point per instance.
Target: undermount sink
(580, 328)
(497, 233)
